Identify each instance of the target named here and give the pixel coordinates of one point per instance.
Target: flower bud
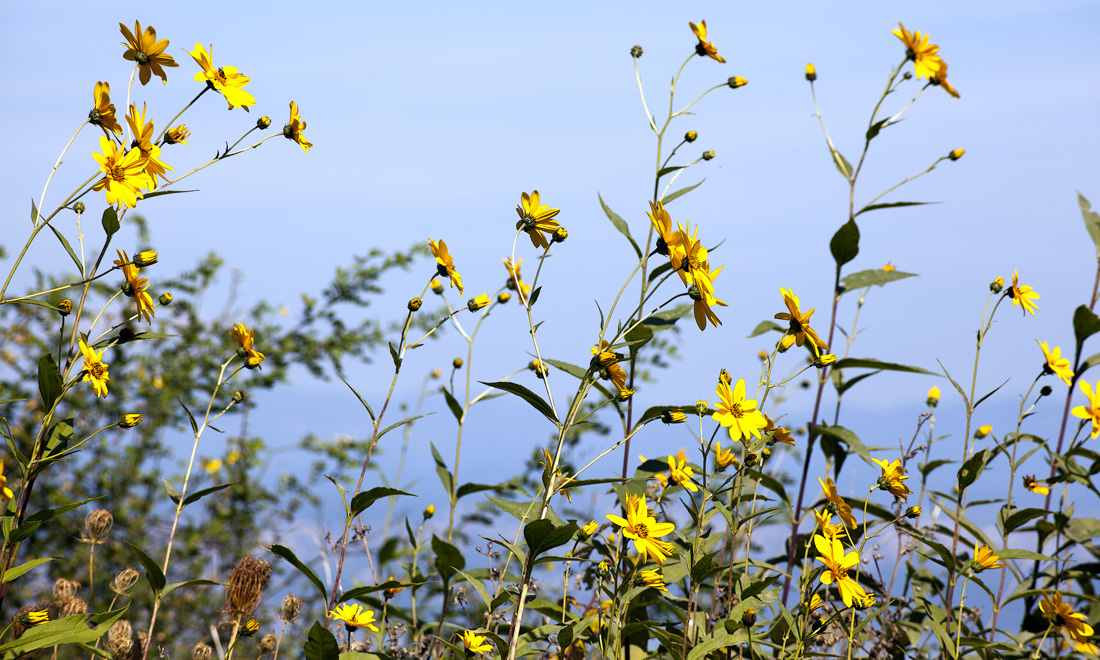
(811, 72)
(146, 258)
(538, 367)
(474, 304)
(690, 136)
(201, 651)
(956, 154)
(165, 298)
(913, 512)
(415, 304)
(1045, 391)
(997, 285)
(33, 618)
(725, 377)
(983, 431)
(65, 307)
(908, 75)
(589, 529)
(129, 420)
(624, 394)
(436, 286)
(504, 297)
(249, 628)
(636, 51)
(673, 417)
(177, 135)
(78, 207)
(436, 373)
(708, 155)
(263, 123)
(933, 397)
(786, 342)
(560, 235)
(825, 360)
(748, 617)
(292, 605)
(736, 81)
(238, 396)
(702, 407)
(429, 511)
(888, 268)
(457, 363)
(752, 459)
(763, 355)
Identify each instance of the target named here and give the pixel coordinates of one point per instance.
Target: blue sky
(430, 121)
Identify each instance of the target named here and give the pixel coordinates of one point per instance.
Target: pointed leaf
(448, 559)
(169, 588)
(669, 198)
(527, 395)
(360, 502)
(171, 490)
(890, 205)
(620, 224)
(571, 369)
(34, 212)
(871, 363)
(321, 644)
(542, 535)
(49, 381)
(288, 554)
(158, 193)
(76, 629)
(21, 569)
(973, 467)
(1091, 218)
(873, 277)
(401, 423)
(198, 495)
(68, 248)
(110, 221)
(1085, 324)
(844, 245)
(763, 327)
(33, 521)
(361, 399)
(453, 404)
(153, 572)
(445, 476)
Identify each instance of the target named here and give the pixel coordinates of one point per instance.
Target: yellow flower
(1032, 484)
(246, 340)
(354, 616)
(147, 52)
(123, 173)
(390, 592)
(129, 420)
(941, 79)
(293, 129)
(836, 503)
(177, 135)
(723, 458)
(669, 242)
(799, 322)
(474, 304)
(1023, 296)
(250, 628)
(737, 413)
(1091, 411)
(475, 643)
(702, 292)
(892, 477)
(617, 375)
(825, 524)
(705, 47)
(933, 396)
(536, 219)
(815, 603)
(811, 72)
(137, 287)
(224, 79)
(913, 512)
(983, 431)
(653, 579)
(34, 618)
(445, 264)
(103, 111)
(888, 268)
(590, 529)
(1062, 616)
(679, 474)
(429, 511)
(516, 279)
(926, 63)
(95, 369)
(644, 530)
(211, 465)
(837, 565)
(956, 154)
(143, 140)
(6, 492)
(984, 558)
(671, 416)
(1056, 364)
(779, 434)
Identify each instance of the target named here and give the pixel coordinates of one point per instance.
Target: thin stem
(42, 199)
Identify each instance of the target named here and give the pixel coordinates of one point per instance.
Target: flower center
(141, 58)
(642, 530)
(736, 410)
(116, 173)
(219, 76)
(96, 369)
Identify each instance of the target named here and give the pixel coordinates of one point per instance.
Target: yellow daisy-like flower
(892, 477)
(644, 530)
(536, 219)
(723, 458)
(653, 579)
(246, 338)
(1092, 410)
(825, 524)
(293, 129)
(799, 322)
(136, 287)
(34, 618)
(211, 465)
(702, 292)
(1032, 484)
(736, 412)
(836, 503)
(984, 557)
(590, 529)
(144, 49)
(941, 79)
(123, 173)
(177, 135)
(679, 474)
(476, 643)
(1056, 364)
(224, 79)
(926, 63)
(95, 369)
(815, 603)
(669, 242)
(143, 138)
(779, 434)
(1024, 296)
(617, 375)
(5, 492)
(1062, 617)
(515, 279)
(474, 304)
(445, 264)
(705, 47)
(354, 616)
(103, 111)
(837, 565)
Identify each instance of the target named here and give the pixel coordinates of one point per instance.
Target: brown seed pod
(245, 587)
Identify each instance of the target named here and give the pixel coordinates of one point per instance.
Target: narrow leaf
(401, 423)
(527, 395)
(76, 629)
(620, 224)
(669, 198)
(288, 554)
(869, 278)
(68, 248)
(21, 569)
(153, 573)
(361, 501)
(763, 327)
(871, 363)
(198, 495)
(1091, 218)
(49, 381)
(445, 476)
(169, 588)
(361, 399)
(890, 205)
(171, 490)
(453, 404)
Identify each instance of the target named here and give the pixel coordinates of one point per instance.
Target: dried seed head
(97, 525)
(64, 590)
(201, 651)
(292, 605)
(73, 606)
(120, 639)
(267, 643)
(245, 587)
(124, 580)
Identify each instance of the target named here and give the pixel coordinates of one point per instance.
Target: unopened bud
(436, 286)
(1045, 391)
(811, 72)
(238, 396)
(65, 307)
(636, 51)
(708, 155)
(736, 81)
(429, 511)
(560, 235)
(983, 431)
(457, 363)
(263, 123)
(146, 258)
(912, 512)
(415, 304)
(690, 136)
(748, 617)
(78, 208)
(933, 397)
(956, 154)
(165, 298)
(997, 285)
(504, 297)
(129, 420)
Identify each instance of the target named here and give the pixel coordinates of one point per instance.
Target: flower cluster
(689, 259)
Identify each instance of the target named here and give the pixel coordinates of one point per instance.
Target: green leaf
(527, 395)
(571, 369)
(169, 588)
(445, 476)
(401, 423)
(76, 629)
(665, 319)
(194, 424)
(1085, 324)
(49, 381)
(890, 205)
(33, 521)
(453, 404)
(361, 399)
(660, 173)
(158, 193)
(471, 488)
(1021, 517)
(288, 554)
(844, 245)
(448, 558)
(542, 535)
(361, 501)
(871, 363)
(1013, 553)
(395, 356)
(68, 248)
(842, 165)
(321, 644)
(873, 129)
(110, 221)
(973, 467)
(521, 511)
(620, 224)
(851, 440)
(153, 572)
(763, 327)
(669, 198)
(1091, 218)
(198, 495)
(359, 592)
(869, 278)
(34, 212)
(1090, 361)
(171, 490)
(958, 388)
(21, 569)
